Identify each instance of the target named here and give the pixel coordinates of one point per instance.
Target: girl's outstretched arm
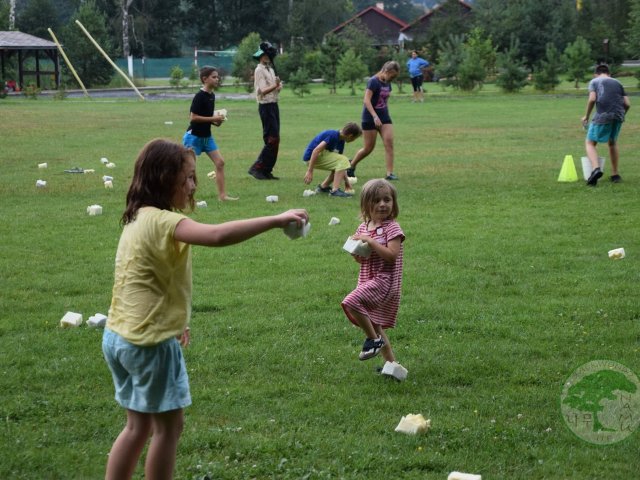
(235, 231)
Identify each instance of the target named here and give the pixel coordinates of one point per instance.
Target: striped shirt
(377, 295)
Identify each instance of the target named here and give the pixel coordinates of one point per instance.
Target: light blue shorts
(199, 144)
(603, 133)
(147, 379)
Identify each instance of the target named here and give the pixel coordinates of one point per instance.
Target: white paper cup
(586, 166)
(94, 210)
(616, 253)
(272, 198)
(293, 231)
(42, 165)
(41, 183)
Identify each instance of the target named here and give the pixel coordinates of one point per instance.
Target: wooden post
(109, 60)
(64, 55)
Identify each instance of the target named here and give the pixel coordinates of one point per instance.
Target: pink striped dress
(379, 283)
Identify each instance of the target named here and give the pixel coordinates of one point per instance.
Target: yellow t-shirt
(151, 299)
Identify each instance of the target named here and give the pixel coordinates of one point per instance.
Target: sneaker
(340, 193)
(391, 176)
(371, 348)
(271, 176)
(595, 175)
(258, 174)
(321, 189)
(616, 178)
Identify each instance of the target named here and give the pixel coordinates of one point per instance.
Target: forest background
(529, 34)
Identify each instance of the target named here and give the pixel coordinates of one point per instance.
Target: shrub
(175, 76)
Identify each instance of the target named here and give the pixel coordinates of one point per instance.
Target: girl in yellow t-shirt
(151, 303)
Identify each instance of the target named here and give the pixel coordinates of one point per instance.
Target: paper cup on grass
(94, 210)
(616, 253)
(586, 166)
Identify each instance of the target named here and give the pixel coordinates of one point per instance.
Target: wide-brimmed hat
(259, 53)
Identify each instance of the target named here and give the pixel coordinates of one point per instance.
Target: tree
(577, 58)
(512, 71)
(125, 5)
(299, 82)
(445, 21)
(450, 59)
(547, 74)
(603, 24)
(356, 36)
(332, 49)
(37, 17)
(533, 23)
(91, 67)
(310, 20)
(633, 32)
(471, 71)
(243, 63)
(351, 69)
(5, 9)
(403, 74)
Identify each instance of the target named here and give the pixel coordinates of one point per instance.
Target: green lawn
(507, 290)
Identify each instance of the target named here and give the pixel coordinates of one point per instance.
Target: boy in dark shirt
(198, 136)
(607, 95)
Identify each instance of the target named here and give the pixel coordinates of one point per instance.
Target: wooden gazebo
(26, 46)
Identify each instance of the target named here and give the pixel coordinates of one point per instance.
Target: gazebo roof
(14, 40)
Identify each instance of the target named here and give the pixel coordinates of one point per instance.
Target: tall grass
(507, 290)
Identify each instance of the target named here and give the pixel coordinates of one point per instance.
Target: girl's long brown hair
(156, 175)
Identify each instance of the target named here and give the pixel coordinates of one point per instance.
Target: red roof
(375, 10)
(431, 12)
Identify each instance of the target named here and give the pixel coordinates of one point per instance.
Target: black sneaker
(271, 176)
(340, 193)
(391, 176)
(258, 174)
(616, 178)
(321, 189)
(595, 175)
(371, 348)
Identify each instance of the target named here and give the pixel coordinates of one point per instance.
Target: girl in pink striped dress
(373, 305)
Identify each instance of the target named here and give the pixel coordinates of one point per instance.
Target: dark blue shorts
(369, 124)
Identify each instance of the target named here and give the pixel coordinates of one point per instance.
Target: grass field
(507, 290)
